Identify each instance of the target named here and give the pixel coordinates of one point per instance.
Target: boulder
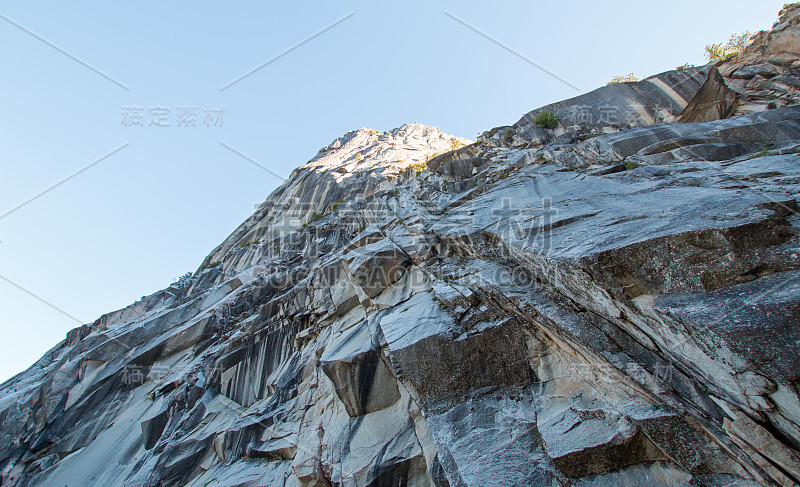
(714, 101)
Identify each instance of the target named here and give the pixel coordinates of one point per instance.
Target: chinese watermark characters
(182, 116)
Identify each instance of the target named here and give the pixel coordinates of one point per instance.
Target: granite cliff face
(613, 302)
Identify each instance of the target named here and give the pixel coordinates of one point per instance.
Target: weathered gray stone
(361, 378)
(766, 70)
(606, 303)
(623, 105)
(713, 101)
(462, 168)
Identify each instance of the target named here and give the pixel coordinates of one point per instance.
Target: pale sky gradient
(130, 224)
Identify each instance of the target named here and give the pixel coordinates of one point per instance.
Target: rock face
(764, 76)
(606, 305)
(713, 101)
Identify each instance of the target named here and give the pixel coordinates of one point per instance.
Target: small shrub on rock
(629, 78)
(787, 7)
(547, 120)
(630, 165)
(735, 45)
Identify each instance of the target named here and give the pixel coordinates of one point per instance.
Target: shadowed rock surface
(607, 304)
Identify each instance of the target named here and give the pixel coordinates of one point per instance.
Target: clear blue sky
(133, 222)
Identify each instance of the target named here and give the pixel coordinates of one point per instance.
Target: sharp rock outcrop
(611, 303)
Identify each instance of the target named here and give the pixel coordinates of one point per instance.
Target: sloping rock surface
(617, 310)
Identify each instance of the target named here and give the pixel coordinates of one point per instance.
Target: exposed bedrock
(606, 303)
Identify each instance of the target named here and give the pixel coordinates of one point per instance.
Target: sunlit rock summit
(611, 302)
